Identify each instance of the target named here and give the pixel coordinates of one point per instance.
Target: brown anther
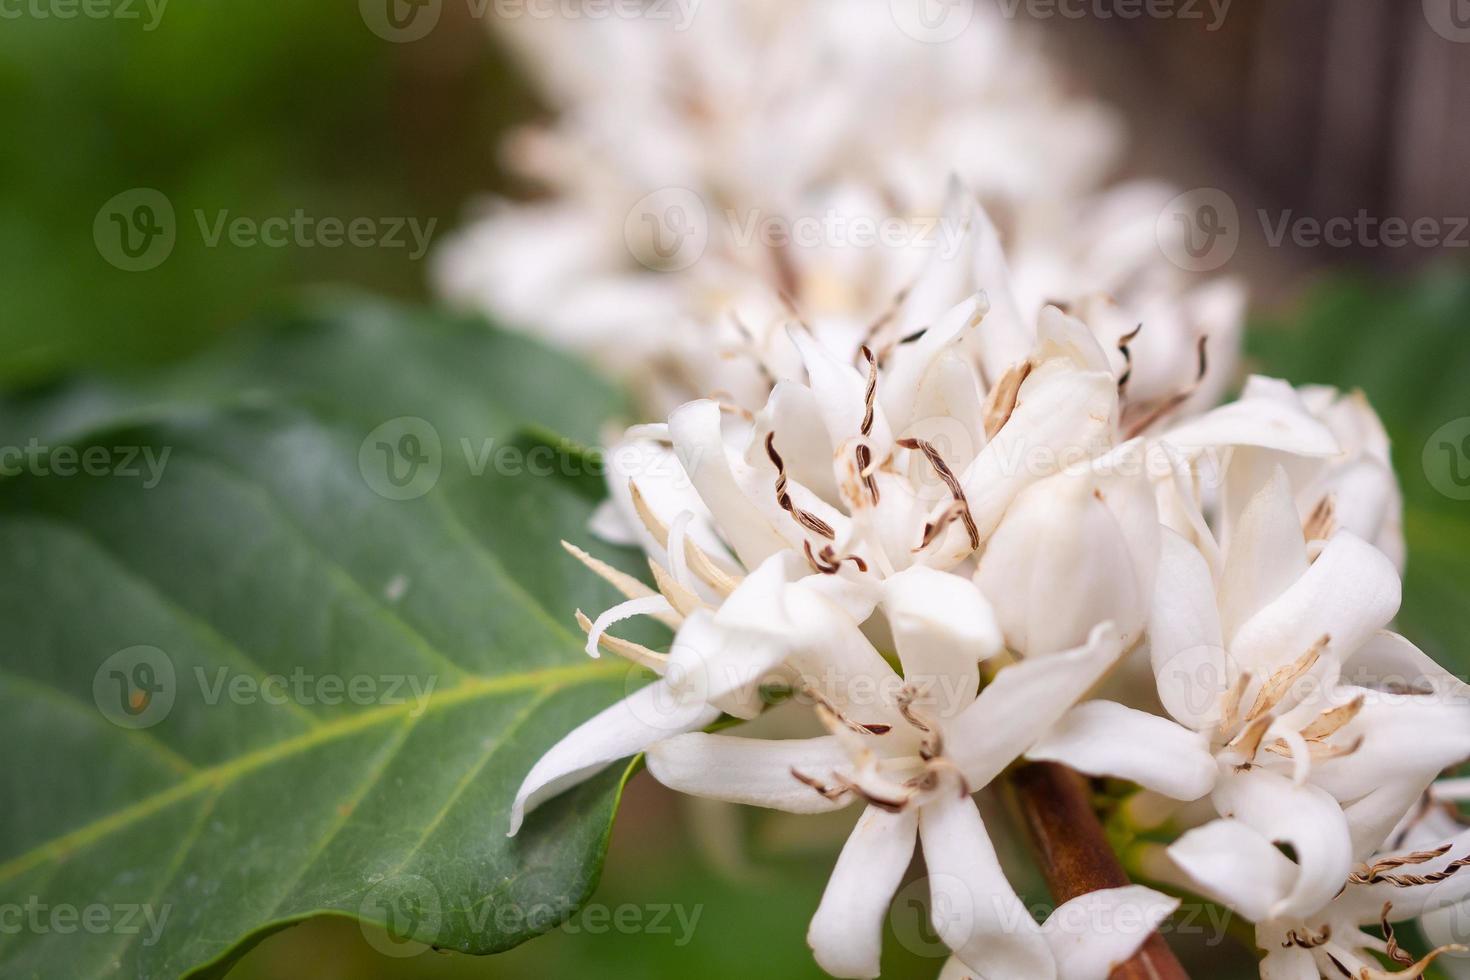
(1391, 948)
(1279, 685)
(1230, 706)
(1001, 403)
(950, 481)
(1248, 742)
(1322, 521)
(1123, 346)
(826, 561)
(933, 528)
(865, 470)
(1376, 870)
(1308, 941)
(1329, 721)
(871, 394)
(873, 799)
(805, 518)
(827, 792)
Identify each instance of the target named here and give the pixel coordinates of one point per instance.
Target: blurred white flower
(671, 247)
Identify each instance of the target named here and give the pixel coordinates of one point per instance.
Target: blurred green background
(263, 108)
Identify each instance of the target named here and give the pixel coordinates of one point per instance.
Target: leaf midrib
(547, 680)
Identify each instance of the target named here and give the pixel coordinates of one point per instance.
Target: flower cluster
(990, 517)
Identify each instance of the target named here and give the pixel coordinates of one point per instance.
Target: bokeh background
(263, 107)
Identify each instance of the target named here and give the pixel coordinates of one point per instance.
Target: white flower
(1328, 941)
(1287, 693)
(912, 755)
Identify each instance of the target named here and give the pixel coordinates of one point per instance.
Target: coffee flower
(912, 757)
(1329, 941)
(1294, 715)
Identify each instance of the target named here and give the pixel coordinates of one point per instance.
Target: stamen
(1230, 707)
(1001, 403)
(1377, 869)
(870, 395)
(1392, 951)
(1410, 880)
(1123, 345)
(805, 518)
(1308, 941)
(950, 481)
(833, 793)
(826, 561)
(627, 649)
(683, 600)
(1322, 521)
(933, 528)
(865, 469)
(1329, 721)
(623, 582)
(1248, 742)
(1280, 683)
(700, 563)
(871, 798)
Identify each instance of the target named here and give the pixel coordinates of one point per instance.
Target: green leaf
(1405, 347)
(421, 643)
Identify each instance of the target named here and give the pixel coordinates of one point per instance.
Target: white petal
(973, 908)
(910, 363)
(696, 431)
(1185, 642)
(1265, 553)
(1022, 703)
(1373, 818)
(1351, 591)
(753, 771)
(1289, 964)
(846, 934)
(1403, 737)
(1305, 817)
(1093, 933)
(1390, 662)
(1060, 563)
(1231, 863)
(647, 715)
(1104, 738)
(943, 628)
(1266, 423)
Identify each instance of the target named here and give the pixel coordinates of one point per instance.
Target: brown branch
(1076, 857)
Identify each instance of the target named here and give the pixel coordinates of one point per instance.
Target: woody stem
(1075, 855)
